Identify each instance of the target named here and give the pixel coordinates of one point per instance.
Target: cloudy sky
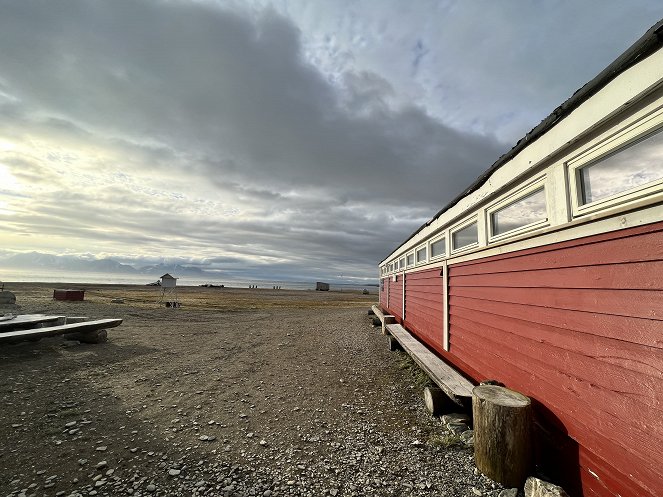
(273, 139)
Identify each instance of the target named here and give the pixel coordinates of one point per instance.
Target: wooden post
(393, 344)
(385, 321)
(437, 402)
(502, 434)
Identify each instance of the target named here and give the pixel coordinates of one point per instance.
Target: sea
(72, 277)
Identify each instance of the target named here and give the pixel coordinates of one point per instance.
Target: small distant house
(168, 281)
(322, 287)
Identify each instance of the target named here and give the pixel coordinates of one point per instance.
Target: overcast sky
(273, 139)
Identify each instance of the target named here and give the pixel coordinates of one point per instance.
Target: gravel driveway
(287, 394)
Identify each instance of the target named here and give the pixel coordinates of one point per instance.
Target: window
(401, 263)
(391, 267)
(465, 236)
(421, 254)
(410, 259)
(527, 210)
(438, 248)
(623, 170)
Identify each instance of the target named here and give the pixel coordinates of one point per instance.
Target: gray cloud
(207, 134)
(230, 93)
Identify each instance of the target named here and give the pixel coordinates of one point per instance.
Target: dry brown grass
(201, 298)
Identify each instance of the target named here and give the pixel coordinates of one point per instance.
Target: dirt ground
(237, 393)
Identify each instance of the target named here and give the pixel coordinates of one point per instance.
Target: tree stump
(502, 434)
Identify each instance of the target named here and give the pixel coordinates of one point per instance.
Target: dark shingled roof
(649, 43)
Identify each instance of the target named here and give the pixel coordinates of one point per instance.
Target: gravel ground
(237, 393)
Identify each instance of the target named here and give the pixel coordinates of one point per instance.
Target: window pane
(527, 210)
(465, 236)
(629, 168)
(402, 263)
(421, 254)
(410, 260)
(438, 248)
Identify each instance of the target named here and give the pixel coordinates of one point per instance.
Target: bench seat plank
(27, 321)
(84, 327)
(384, 318)
(447, 378)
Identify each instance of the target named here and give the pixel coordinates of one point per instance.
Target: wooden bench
(80, 329)
(384, 318)
(455, 386)
(23, 321)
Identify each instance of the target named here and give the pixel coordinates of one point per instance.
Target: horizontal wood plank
(23, 321)
(628, 329)
(610, 439)
(634, 276)
(627, 355)
(455, 385)
(610, 248)
(633, 303)
(84, 327)
(605, 408)
(629, 391)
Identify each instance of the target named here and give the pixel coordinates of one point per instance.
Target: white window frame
(474, 218)
(417, 262)
(414, 259)
(401, 263)
(620, 140)
(511, 197)
(441, 236)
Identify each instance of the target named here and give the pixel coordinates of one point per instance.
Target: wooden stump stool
(502, 434)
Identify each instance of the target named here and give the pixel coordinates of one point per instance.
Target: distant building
(323, 287)
(168, 281)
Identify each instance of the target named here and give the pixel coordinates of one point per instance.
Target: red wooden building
(547, 275)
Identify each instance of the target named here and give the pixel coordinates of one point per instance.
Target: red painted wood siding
(424, 307)
(577, 326)
(384, 290)
(395, 304)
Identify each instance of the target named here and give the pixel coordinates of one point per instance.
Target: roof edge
(646, 45)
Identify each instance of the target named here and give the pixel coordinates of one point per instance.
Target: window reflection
(437, 248)
(624, 170)
(527, 210)
(421, 254)
(465, 236)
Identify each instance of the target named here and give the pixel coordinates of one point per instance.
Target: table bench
(81, 329)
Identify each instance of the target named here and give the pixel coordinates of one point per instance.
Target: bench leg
(99, 336)
(437, 402)
(393, 343)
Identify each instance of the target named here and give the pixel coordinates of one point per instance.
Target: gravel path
(279, 400)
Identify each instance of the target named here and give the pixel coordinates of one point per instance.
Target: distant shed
(547, 274)
(69, 295)
(168, 281)
(320, 286)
